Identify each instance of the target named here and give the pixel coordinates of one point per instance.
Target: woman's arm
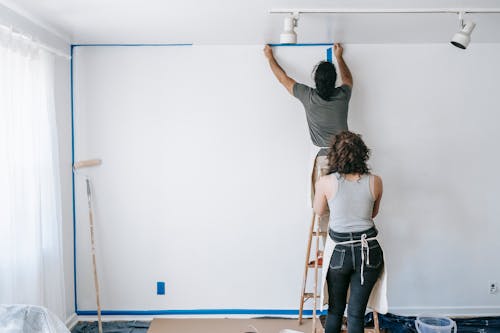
(377, 189)
(320, 203)
(325, 189)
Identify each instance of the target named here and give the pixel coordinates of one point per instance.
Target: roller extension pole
(76, 166)
(94, 265)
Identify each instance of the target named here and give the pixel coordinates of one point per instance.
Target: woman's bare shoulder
(328, 180)
(376, 184)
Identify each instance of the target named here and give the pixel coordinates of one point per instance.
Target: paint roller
(87, 164)
(76, 167)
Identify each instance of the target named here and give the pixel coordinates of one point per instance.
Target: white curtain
(31, 264)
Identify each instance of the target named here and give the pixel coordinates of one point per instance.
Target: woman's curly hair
(348, 154)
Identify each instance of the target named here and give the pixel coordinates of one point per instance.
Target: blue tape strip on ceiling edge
(268, 312)
(186, 44)
(192, 44)
(303, 44)
(329, 52)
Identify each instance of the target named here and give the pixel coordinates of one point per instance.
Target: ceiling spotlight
(462, 38)
(289, 36)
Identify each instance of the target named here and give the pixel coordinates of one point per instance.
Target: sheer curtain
(31, 264)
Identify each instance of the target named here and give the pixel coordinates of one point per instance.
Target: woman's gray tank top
(352, 206)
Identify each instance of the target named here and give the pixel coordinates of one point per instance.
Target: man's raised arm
(345, 73)
(280, 74)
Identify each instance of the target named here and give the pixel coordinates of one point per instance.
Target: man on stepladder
(326, 107)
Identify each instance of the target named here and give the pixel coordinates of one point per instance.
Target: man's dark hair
(325, 76)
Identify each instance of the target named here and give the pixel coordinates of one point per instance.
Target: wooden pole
(94, 265)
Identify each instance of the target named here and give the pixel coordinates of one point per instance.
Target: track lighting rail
(385, 11)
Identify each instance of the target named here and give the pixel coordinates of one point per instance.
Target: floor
(389, 322)
(260, 325)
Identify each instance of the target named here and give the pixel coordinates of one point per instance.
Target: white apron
(313, 153)
(378, 297)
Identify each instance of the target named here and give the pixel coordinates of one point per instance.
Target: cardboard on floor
(261, 325)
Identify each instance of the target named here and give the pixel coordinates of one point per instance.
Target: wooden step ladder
(316, 264)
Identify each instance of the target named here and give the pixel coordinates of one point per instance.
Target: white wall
(430, 114)
(204, 174)
(63, 118)
(195, 159)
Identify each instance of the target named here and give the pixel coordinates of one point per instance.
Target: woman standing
(355, 257)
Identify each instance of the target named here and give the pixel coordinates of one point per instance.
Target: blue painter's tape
(73, 175)
(262, 312)
(329, 54)
(160, 288)
(273, 312)
(304, 44)
(181, 44)
(73, 147)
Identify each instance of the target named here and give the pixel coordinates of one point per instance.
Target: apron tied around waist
(364, 245)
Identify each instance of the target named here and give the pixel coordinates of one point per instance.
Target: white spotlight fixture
(462, 38)
(289, 36)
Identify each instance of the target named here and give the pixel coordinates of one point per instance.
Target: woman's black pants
(344, 271)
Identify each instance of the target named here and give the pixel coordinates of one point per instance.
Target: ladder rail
(315, 280)
(306, 268)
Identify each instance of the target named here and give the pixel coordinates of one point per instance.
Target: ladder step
(320, 260)
(312, 265)
(310, 295)
(319, 233)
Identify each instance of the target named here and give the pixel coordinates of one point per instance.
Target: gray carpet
(112, 327)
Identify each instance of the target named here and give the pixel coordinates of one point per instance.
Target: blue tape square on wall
(160, 288)
(329, 54)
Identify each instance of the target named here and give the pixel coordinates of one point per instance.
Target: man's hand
(268, 52)
(338, 50)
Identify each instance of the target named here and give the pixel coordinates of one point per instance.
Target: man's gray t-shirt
(325, 118)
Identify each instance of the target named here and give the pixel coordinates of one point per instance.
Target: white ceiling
(249, 22)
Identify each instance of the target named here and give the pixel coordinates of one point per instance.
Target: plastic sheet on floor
(401, 324)
(112, 327)
(19, 318)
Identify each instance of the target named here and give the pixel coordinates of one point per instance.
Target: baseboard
(71, 321)
(149, 317)
(221, 313)
(451, 311)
